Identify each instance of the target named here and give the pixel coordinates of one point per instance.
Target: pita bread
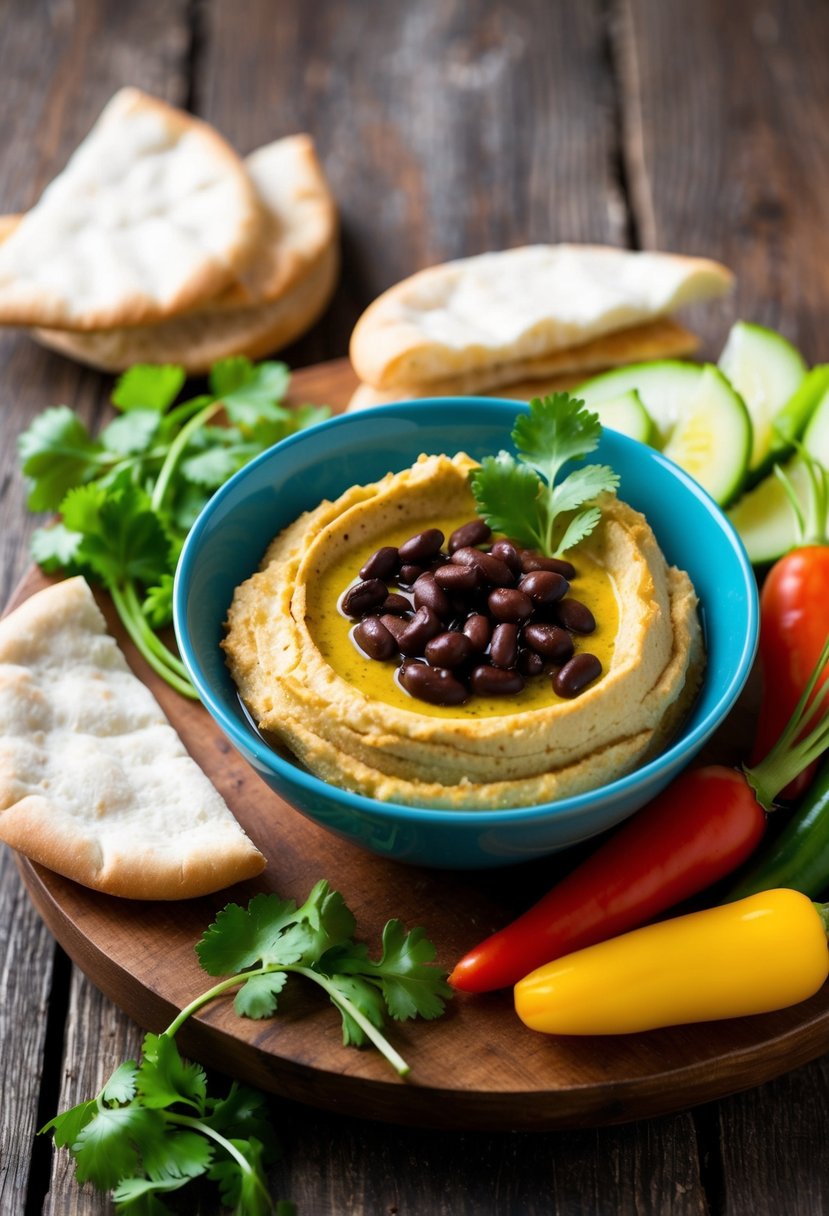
(286, 288)
(153, 213)
(499, 317)
(94, 781)
(660, 339)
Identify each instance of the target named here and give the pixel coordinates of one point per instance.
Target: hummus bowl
(227, 544)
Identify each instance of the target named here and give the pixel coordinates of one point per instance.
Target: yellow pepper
(757, 954)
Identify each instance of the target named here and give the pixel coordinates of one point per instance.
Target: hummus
(347, 719)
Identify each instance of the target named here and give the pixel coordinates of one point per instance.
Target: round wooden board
(477, 1067)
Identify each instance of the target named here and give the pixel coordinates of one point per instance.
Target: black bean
(437, 685)
(409, 574)
(428, 592)
(374, 639)
(362, 597)
(544, 586)
(506, 552)
(530, 560)
(424, 625)
(503, 650)
(396, 625)
(473, 533)
(576, 674)
(397, 604)
(496, 573)
(495, 681)
(529, 663)
(478, 628)
(549, 640)
(575, 615)
(422, 547)
(455, 578)
(509, 604)
(383, 564)
(448, 650)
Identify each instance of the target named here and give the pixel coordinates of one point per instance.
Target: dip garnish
(519, 497)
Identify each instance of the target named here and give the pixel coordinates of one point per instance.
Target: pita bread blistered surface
(153, 213)
(94, 781)
(286, 287)
(491, 319)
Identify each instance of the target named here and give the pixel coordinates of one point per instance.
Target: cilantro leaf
(148, 386)
(67, 1125)
(405, 973)
(164, 1078)
(139, 1196)
(121, 1086)
(132, 433)
(123, 538)
(158, 602)
(56, 548)
(105, 1150)
(521, 498)
(56, 453)
(364, 996)
(239, 937)
(257, 997)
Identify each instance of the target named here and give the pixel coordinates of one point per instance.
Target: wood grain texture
(26, 954)
(727, 149)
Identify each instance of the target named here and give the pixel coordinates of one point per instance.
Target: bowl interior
(228, 540)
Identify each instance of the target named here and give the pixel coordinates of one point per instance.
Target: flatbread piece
(94, 781)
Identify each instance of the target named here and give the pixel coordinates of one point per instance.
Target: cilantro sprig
(128, 496)
(521, 498)
(153, 1127)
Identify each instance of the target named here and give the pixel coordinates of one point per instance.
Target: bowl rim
(246, 739)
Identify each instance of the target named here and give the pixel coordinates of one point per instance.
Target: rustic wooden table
(447, 128)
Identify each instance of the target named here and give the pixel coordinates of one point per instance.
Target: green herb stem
(151, 638)
(160, 664)
(230, 1148)
(177, 449)
(371, 1032)
(791, 753)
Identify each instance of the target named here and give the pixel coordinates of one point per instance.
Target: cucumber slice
(700, 421)
(764, 516)
(766, 370)
(664, 386)
(626, 414)
(712, 441)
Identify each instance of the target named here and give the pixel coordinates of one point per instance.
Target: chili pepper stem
(823, 912)
(791, 754)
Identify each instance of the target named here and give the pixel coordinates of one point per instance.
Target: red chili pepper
(693, 834)
(794, 624)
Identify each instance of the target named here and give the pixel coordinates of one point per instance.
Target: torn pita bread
(197, 340)
(500, 317)
(153, 213)
(286, 288)
(94, 781)
(660, 339)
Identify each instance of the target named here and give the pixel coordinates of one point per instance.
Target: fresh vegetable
(767, 371)
(798, 856)
(704, 825)
(789, 507)
(520, 497)
(759, 954)
(794, 627)
(627, 415)
(153, 1128)
(700, 422)
(128, 497)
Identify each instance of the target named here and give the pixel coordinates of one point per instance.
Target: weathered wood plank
(446, 129)
(26, 955)
(727, 151)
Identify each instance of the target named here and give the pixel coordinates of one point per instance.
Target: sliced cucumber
(700, 421)
(766, 370)
(626, 414)
(764, 517)
(664, 386)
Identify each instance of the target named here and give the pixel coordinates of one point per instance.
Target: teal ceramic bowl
(229, 538)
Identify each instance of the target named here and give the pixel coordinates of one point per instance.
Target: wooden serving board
(477, 1067)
